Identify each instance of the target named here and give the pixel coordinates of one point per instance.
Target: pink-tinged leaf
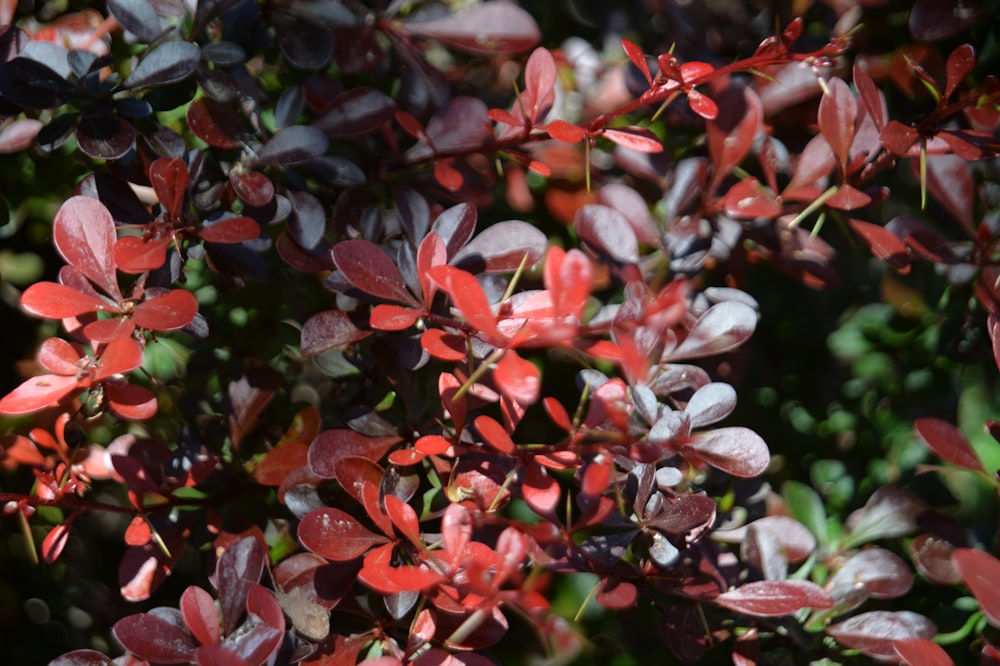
(84, 234)
(329, 330)
(638, 139)
(721, 328)
(468, 296)
(59, 357)
(875, 632)
(494, 434)
(960, 64)
(230, 230)
(993, 327)
(368, 268)
(848, 197)
(732, 132)
(52, 300)
(502, 247)
(980, 572)
(773, 598)
(37, 393)
(815, 162)
(883, 574)
(737, 451)
(518, 379)
(487, 28)
(154, 639)
(253, 187)
(332, 446)
(19, 134)
(169, 178)
(947, 442)
(750, 199)
(638, 59)
(130, 402)
(931, 555)
(539, 86)
(238, 568)
(921, 652)
(442, 345)
(838, 114)
(168, 311)
(884, 244)
(218, 654)
(357, 111)
(560, 130)
(336, 535)
(389, 317)
(201, 615)
(55, 541)
(897, 138)
(608, 232)
(144, 568)
(134, 255)
(634, 207)
(703, 105)
(541, 491)
(82, 658)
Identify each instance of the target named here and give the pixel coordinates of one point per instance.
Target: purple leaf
(721, 328)
(368, 268)
(737, 451)
(239, 567)
(630, 203)
(292, 145)
(711, 403)
(336, 535)
(875, 632)
(772, 598)
(488, 28)
(328, 330)
(607, 232)
(169, 62)
(332, 446)
(502, 247)
(881, 573)
(138, 17)
(154, 639)
(949, 180)
(455, 226)
(354, 112)
(307, 221)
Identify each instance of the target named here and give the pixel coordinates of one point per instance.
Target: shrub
(381, 333)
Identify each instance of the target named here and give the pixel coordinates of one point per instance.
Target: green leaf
(807, 507)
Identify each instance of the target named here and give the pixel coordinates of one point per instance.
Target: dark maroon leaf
(138, 17)
(329, 330)
(216, 124)
(239, 567)
(884, 244)
(292, 145)
(307, 222)
(980, 571)
(201, 615)
(152, 638)
(169, 62)
(332, 446)
(874, 633)
(947, 442)
(104, 137)
(932, 20)
(771, 598)
(354, 112)
(29, 83)
(633, 206)
(487, 28)
(921, 652)
(336, 535)
(464, 126)
(368, 268)
(502, 247)
(689, 512)
(306, 44)
(950, 182)
(922, 239)
(732, 132)
(608, 232)
(455, 226)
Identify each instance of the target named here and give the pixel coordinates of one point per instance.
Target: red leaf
(897, 138)
(947, 442)
(557, 413)
(59, 357)
(404, 518)
(696, 73)
(875, 632)
(870, 96)
(494, 434)
(442, 345)
(838, 114)
(541, 492)
(370, 269)
(134, 255)
(230, 230)
(406, 457)
(332, 446)
(487, 28)
(37, 393)
(55, 541)
(702, 105)
(252, 187)
(638, 139)
(539, 85)
(432, 445)
(884, 244)
(737, 451)
(617, 594)
(154, 639)
(960, 64)
(84, 234)
(201, 615)
(168, 311)
(58, 301)
(130, 402)
(772, 598)
(468, 296)
(638, 59)
(950, 181)
(389, 317)
(749, 199)
(378, 574)
(447, 175)
(560, 130)
(336, 535)
(169, 178)
(281, 461)
(517, 378)
(215, 124)
(732, 132)
(981, 573)
(921, 652)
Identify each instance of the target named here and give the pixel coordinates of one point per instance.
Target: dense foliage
(412, 332)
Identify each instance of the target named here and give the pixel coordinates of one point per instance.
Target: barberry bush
(444, 333)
